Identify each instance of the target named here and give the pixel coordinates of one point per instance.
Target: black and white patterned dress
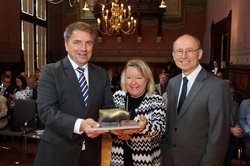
(145, 146)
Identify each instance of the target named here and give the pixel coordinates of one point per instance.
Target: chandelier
(71, 2)
(116, 20)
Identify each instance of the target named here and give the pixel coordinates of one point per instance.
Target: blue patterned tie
(83, 85)
(183, 94)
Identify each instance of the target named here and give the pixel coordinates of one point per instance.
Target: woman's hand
(142, 123)
(121, 135)
(127, 133)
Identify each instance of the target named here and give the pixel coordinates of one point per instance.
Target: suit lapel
(70, 73)
(196, 87)
(177, 85)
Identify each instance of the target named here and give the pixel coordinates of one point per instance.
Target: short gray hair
(82, 26)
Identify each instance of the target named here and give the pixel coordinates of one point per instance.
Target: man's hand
(86, 126)
(236, 131)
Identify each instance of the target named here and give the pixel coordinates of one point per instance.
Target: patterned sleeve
(155, 112)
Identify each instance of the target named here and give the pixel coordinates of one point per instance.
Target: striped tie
(83, 84)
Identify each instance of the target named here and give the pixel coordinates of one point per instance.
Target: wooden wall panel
(10, 38)
(240, 75)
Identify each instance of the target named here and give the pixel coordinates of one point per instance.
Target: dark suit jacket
(9, 90)
(60, 104)
(198, 136)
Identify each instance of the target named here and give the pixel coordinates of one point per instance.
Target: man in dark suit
(7, 87)
(68, 138)
(198, 133)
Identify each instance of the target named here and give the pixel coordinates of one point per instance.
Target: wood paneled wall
(240, 75)
(10, 38)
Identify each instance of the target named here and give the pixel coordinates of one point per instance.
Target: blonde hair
(144, 69)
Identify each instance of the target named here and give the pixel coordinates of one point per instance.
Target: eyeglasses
(188, 51)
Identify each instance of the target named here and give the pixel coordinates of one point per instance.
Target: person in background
(9, 72)
(216, 68)
(21, 91)
(170, 70)
(114, 80)
(32, 85)
(37, 74)
(236, 95)
(161, 87)
(138, 146)
(7, 87)
(245, 124)
(236, 132)
(3, 111)
(69, 95)
(198, 110)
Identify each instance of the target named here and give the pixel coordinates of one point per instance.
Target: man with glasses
(199, 110)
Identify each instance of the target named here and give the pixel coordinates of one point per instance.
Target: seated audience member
(245, 124)
(139, 146)
(9, 72)
(6, 87)
(161, 87)
(21, 91)
(3, 111)
(32, 85)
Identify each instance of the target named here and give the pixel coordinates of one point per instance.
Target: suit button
(175, 129)
(174, 145)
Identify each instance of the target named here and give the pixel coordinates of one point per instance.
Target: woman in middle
(139, 146)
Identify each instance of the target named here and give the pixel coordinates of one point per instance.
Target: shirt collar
(75, 66)
(192, 76)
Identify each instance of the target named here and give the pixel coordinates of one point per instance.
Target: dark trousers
(247, 149)
(233, 145)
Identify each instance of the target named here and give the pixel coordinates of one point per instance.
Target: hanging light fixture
(72, 3)
(116, 20)
(163, 4)
(86, 7)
